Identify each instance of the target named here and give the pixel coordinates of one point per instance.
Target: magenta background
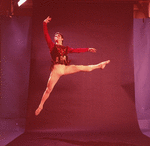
(99, 100)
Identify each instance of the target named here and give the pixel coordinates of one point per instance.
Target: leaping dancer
(60, 66)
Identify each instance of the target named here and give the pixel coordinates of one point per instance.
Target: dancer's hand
(47, 20)
(92, 50)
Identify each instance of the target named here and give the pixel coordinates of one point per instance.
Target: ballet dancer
(60, 63)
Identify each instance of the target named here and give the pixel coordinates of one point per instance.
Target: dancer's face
(58, 38)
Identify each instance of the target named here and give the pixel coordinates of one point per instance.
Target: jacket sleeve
(47, 37)
(77, 50)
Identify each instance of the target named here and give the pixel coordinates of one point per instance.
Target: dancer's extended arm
(79, 50)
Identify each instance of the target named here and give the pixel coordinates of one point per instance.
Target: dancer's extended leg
(54, 77)
(77, 68)
(60, 70)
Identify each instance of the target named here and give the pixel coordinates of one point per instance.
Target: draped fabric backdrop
(100, 100)
(15, 69)
(142, 70)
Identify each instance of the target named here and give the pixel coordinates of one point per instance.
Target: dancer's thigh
(54, 77)
(73, 69)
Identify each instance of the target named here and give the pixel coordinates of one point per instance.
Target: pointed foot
(103, 64)
(37, 112)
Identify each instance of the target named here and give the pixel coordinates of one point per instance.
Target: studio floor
(80, 138)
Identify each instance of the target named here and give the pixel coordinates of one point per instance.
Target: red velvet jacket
(58, 52)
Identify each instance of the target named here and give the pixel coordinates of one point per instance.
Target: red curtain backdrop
(101, 100)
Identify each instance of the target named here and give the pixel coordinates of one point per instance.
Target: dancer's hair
(60, 34)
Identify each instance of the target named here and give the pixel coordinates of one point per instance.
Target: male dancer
(60, 61)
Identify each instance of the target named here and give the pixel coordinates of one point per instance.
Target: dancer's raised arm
(46, 34)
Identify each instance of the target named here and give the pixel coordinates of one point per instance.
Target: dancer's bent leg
(77, 68)
(54, 77)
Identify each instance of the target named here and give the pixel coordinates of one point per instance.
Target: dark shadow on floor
(89, 143)
(80, 139)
